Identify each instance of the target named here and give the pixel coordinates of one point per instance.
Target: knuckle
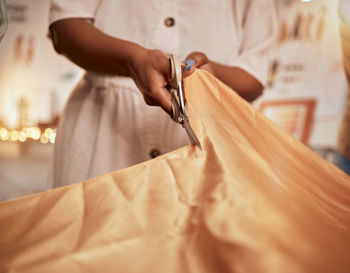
(149, 101)
(153, 92)
(157, 54)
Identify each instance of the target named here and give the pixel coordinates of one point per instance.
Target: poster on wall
(307, 64)
(34, 80)
(294, 116)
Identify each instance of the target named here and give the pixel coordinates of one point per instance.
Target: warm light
(44, 139)
(28, 131)
(14, 136)
(35, 133)
(52, 138)
(48, 132)
(4, 134)
(22, 136)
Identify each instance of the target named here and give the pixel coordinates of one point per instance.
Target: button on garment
(106, 124)
(154, 153)
(169, 22)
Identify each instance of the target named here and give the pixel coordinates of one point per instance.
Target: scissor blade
(182, 99)
(191, 135)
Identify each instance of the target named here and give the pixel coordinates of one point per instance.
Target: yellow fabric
(255, 200)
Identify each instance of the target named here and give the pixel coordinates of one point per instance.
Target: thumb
(194, 60)
(199, 58)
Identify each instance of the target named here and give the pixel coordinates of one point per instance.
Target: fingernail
(190, 62)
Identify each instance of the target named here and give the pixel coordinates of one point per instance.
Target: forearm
(239, 80)
(93, 50)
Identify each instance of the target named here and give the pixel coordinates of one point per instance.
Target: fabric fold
(254, 200)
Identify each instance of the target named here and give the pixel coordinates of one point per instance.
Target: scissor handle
(178, 101)
(176, 71)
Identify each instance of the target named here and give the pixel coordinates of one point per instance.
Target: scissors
(178, 101)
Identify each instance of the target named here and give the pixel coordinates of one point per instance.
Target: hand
(150, 70)
(200, 61)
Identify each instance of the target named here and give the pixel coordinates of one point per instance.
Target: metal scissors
(178, 100)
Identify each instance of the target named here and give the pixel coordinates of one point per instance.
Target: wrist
(136, 59)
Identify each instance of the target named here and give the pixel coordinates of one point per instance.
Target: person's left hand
(196, 60)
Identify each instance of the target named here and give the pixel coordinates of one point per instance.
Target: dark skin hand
(243, 83)
(95, 51)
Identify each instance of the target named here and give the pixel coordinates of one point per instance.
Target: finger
(160, 62)
(189, 67)
(164, 66)
(189, 63)
(199, 58)
(164, 99)
(159, 96)
(193, 61)
(150, 101)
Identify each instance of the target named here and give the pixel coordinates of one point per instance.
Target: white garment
(106, 124)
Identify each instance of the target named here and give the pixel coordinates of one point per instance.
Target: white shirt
(106, 124)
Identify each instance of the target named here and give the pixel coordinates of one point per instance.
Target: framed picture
(294, 116)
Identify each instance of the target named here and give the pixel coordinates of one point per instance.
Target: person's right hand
(150, 69)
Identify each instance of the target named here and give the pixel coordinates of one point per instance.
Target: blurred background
(305, 95)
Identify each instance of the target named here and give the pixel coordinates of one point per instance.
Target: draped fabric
(254, 200)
